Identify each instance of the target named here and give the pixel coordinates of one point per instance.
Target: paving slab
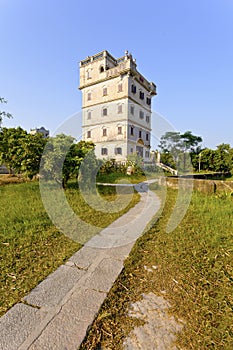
(17, 324)
(53, 289)
(68, 329)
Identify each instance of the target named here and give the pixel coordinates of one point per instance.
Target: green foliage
(62, 158)
(176, 149)
(219, 160)
(21, 152)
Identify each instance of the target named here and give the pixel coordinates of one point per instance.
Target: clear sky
(184, 46)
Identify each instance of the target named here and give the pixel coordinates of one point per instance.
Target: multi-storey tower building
(116, 102)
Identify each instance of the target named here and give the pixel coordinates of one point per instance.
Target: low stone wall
(206, 186)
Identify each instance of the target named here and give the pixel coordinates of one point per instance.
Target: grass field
(31, 246)
(194, 273)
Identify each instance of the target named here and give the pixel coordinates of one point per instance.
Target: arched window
(101, 69)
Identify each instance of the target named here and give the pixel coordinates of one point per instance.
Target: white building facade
(116, 106)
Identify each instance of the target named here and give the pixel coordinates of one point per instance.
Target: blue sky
(185, 47)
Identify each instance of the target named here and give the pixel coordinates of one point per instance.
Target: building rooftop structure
(116, 106)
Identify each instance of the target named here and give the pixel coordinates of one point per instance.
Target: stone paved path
(57, 313)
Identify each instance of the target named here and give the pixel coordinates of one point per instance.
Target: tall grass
(194, 273)
(31, 247)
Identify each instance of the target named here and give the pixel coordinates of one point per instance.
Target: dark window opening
(104, 151)
(119, 130)
(148, 101)
(133, 89)
(118, 150)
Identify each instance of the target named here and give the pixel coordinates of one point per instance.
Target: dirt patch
(160, 328)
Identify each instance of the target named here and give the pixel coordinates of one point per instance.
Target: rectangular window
(147, 154)
(88, 134)
(148, 101)
(104, 151)
(141, 114)
(147, 137)
(141, 95)
(104, 132)
(147, 119)
(89, 115)
(105, 91)
(140, 134)
(119, 108)
(120, 87)
(132, 110)
(119, 130)
(89, 96)
(133, 89)
(89, 73)
(131, 130)
(118, 150)
(105, 111)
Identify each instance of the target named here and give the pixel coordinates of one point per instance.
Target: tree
(3, 113)
(32, 147)
(21, 151)
(179, 148)
(11, 147)
(62, 158)
(190, 142)
(223, 158)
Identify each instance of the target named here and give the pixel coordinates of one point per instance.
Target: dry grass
(194, 273)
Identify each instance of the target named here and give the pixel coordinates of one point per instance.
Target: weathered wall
(206, 186)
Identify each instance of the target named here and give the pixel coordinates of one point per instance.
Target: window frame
(105, 91)
(141, 114)
(104, 151)
(119, 130)
(120, 87)
(104, 132)
(104, 111)
(132, 109)
(117, 151)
